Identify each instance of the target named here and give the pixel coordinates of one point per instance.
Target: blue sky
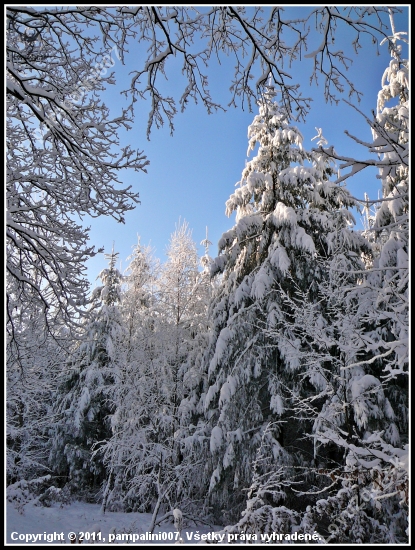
(192, 173)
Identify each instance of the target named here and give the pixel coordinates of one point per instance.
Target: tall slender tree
(85, 401)
(128, 453)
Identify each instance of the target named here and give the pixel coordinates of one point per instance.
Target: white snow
(215, 439)
(80, 517)
(280, 259)
(229, 456)
(284, 215)
(83, 405)
(277, 404)
(262, 283)
(361, 385)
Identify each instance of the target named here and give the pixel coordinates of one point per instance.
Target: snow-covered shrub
(54, 495)
(23, 491)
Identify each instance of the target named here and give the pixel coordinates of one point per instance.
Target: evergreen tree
(375, 469)
(389, 273)
(182, 310)
(128, 453)
(193, 429)
(290, 220)
(85, 401)
(364, 415)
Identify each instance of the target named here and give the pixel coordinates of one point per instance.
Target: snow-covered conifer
(85, 398)
(366, 416)
(291, 219)
(128, 452)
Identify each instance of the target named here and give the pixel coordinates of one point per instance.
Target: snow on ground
(80, 517)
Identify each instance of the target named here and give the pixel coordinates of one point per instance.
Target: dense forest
(265, 389)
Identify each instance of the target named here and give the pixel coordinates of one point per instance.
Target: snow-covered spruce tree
(186, 291)
(359, 354)
(344, 410)
(84, 401)
(375, 471)
(183, 306)
(389, 273)
(127, 452)
(289, 216)
(363, 411)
